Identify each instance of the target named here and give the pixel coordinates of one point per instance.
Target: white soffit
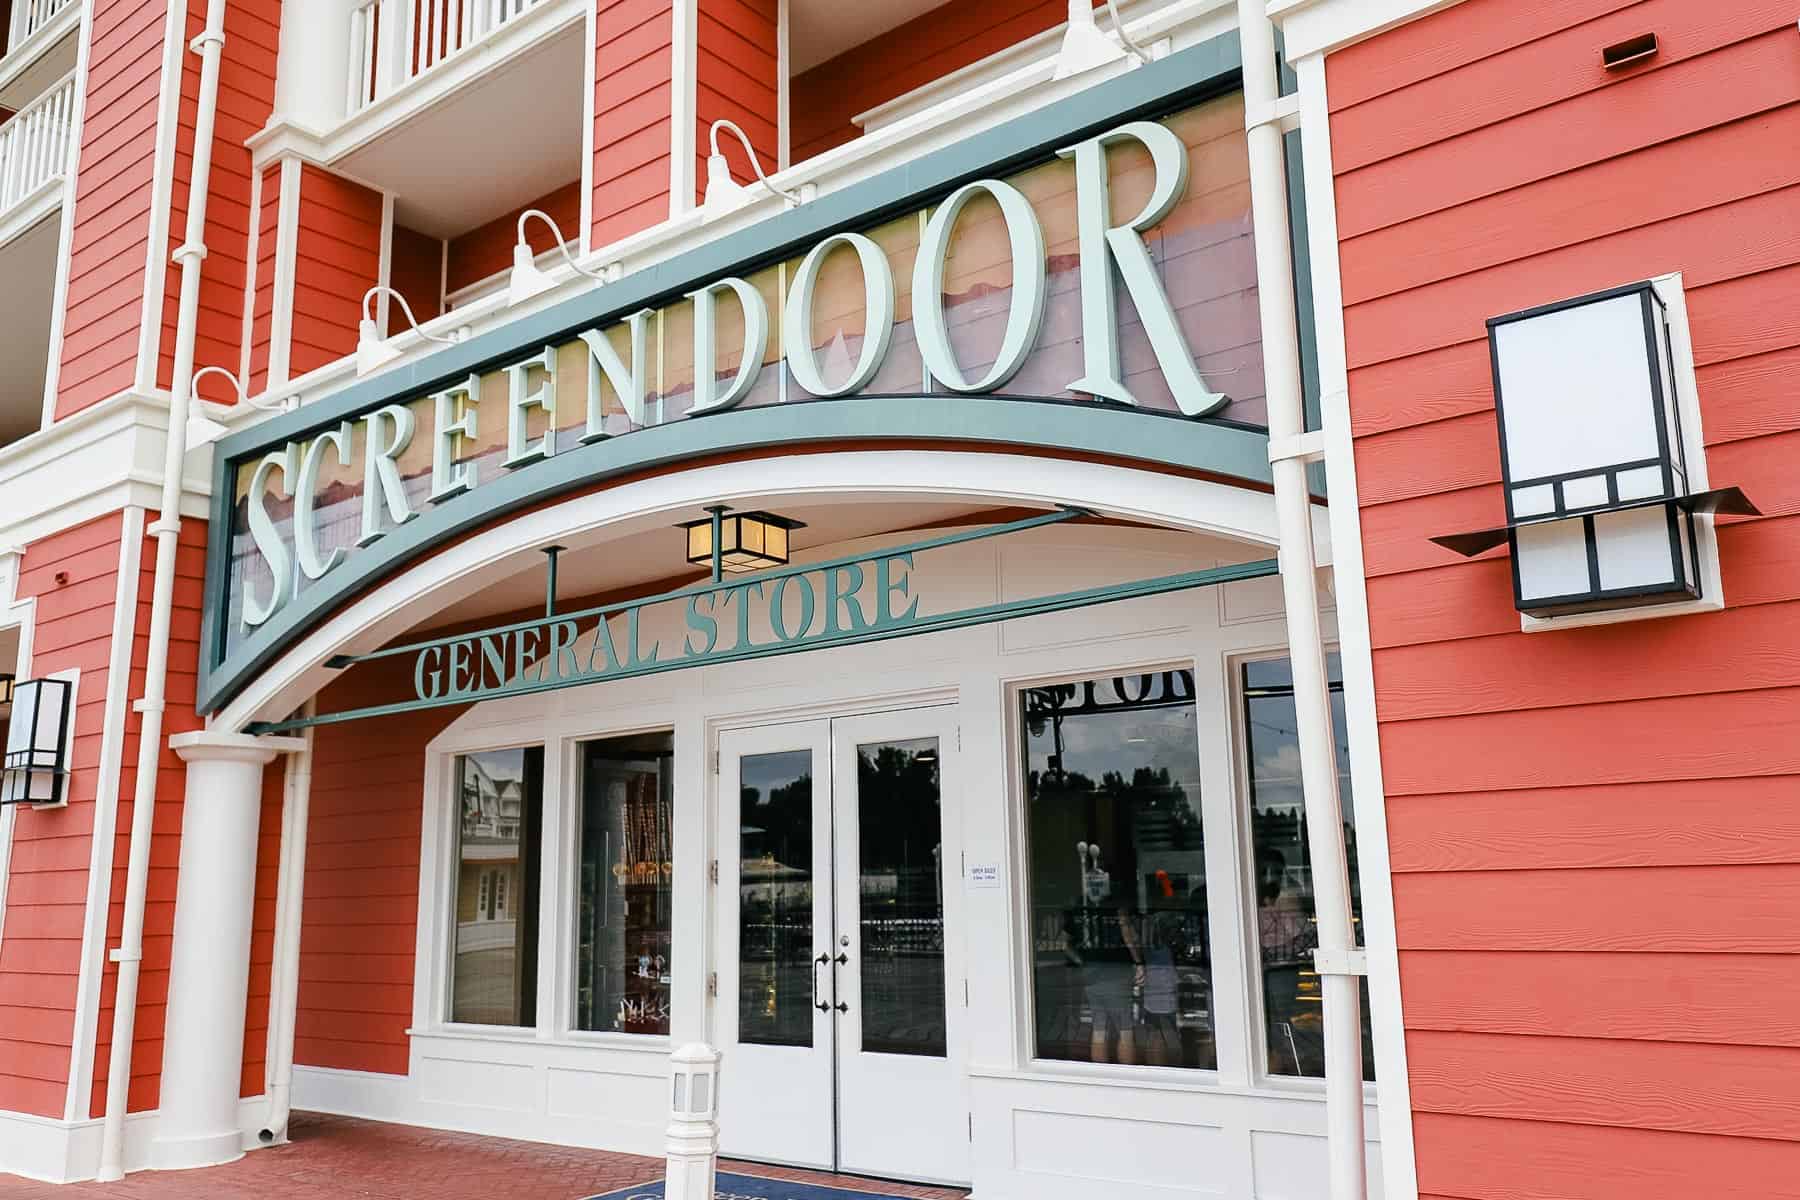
(28, 264)
(488, 148)
(820, 30)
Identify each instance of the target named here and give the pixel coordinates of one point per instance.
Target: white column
(209, 966)
(312, 73)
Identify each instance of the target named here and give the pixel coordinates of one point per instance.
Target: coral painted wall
(1593, 832)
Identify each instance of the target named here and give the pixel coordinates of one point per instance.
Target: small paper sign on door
(984, 875)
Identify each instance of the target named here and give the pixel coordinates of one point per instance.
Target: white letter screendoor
(840, 989)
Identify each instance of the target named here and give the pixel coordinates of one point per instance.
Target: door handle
(841, 959)
(817, 963)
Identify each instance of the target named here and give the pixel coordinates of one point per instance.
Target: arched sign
(1048, 285)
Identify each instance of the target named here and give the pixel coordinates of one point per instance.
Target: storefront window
(625, 878)
(1287, 932)
(1122, 968)
(499, 840)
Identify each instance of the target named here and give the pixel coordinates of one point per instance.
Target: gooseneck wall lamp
(373, 350)
(202, 429)
(529, 280)
(1085, 47)
(723, 193)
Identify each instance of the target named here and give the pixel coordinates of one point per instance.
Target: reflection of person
(1162, 1034)
(1111, 983)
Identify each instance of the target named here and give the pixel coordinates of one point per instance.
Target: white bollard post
(693, 1140)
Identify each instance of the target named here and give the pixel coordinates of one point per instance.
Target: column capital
(204, 745)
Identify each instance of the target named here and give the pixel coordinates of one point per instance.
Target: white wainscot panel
(1259, 599)
(1110, 1150)
(604, 1095)
(506, 1086)
(1292, 1166)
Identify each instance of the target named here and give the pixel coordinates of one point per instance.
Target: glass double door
(840, 983)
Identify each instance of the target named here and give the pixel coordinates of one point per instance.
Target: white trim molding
(106, 816)
(1310, 27)
(1399, 1172)
(53, 1151)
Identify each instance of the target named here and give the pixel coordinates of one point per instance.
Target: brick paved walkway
(336, 1158)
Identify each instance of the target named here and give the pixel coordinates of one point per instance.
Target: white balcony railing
(36, 145)
(393, 42)
(29, 16)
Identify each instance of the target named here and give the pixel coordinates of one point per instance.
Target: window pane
(1286, 930)
(900, 895)
(494, 976)
(625, 875)
(775, 900)
(1122, 967)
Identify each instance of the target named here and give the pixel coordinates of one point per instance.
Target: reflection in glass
(1287, 932)
(775, 899)
(901, 897)
(1122, 968)
(493, 979)
(626, 872)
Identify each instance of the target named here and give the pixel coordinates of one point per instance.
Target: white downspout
(1289, 452)
(284, 990)
(188, 257)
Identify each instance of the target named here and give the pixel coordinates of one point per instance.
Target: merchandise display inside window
(1287, 932)
(1122, 967)
(625, 881)
(493, 978)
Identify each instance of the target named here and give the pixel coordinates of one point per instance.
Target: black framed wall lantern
(35, 769)
(1601, 511)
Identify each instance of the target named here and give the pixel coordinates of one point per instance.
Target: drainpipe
(284, 990)
(1290, 449)
(188, 257)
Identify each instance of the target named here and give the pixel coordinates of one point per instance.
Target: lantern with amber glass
(736, 542)
(35, 769)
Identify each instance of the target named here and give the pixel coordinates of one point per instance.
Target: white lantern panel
(1575, 388)
(1633, 549)
(1552, 560)
(1536, 500)
(1585, 493)
(1641, 484)
(20, 725)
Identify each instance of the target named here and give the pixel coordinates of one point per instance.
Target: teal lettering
(563, 663)
(841, 586)
(778, 607)
(638, 657)
(701, 623)
(888, 585)
(429, 668)
(493, 657)
(461, 668)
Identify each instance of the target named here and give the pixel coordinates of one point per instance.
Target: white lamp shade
(373, 351)
(527, 279)
(723, 193)
(34, 768)
(1586, 401)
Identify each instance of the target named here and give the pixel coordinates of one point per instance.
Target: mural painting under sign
(1121, 273)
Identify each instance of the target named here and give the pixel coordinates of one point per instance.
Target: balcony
(36, 150)
(39, 40)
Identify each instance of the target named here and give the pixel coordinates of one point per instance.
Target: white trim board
(1399, 1172)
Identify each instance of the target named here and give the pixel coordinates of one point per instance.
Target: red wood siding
(416, 271)
(337, 260)
(46, 901)
(632, 104)
(262, 313)
(165, 842)
(105, 306)
(1595, 936)
(487, 250)
(246, 98)
(739, 79)
(822, 100)
(360, 925)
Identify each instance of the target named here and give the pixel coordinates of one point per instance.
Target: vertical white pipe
(1299, 566)
(284, 990)
(210, 46)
